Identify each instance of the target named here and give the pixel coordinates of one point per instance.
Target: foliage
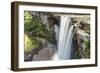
(27, 20)
(77, 55)
(28, 43)
(87, 49)
(36, 30)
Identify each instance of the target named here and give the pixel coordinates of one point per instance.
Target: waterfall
(56, 30)
(65, 38)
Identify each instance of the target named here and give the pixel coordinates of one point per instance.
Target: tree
(36, 30)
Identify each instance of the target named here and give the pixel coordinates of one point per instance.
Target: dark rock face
(74, 47)
(28, 56)
(83, 25)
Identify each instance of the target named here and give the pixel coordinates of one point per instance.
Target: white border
(33, 64)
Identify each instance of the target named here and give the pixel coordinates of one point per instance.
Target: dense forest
(41, 32)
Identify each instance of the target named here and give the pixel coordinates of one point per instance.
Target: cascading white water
(56, 30)
(65, 38)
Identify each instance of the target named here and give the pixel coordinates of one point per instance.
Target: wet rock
(28, 57)
(44, 54)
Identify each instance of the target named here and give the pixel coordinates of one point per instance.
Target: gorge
(57, 36)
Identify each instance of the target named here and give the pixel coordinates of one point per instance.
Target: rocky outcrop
(44, 54)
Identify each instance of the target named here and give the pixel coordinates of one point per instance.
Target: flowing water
(65, 38)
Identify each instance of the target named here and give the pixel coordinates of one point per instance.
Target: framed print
(52, 36)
